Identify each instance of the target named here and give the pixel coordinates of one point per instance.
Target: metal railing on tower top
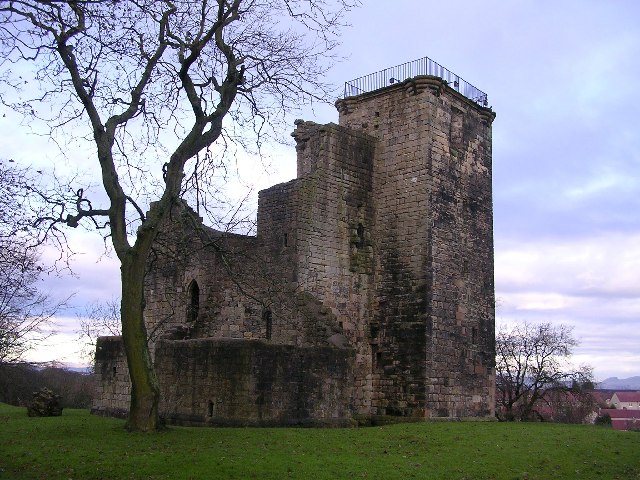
(400, 73)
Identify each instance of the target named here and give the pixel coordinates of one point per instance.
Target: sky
(563, 77)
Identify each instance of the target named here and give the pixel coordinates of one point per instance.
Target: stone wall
(232, 382)
(229, 382)
(113, 387)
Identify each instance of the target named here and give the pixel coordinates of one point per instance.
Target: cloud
(63, 345)
(92, 275)
(606, 265)
(592, 284)
(566, 165)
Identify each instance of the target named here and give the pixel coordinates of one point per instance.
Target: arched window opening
(210, 409)
(267, 317)
(193, 306)
(360, 235)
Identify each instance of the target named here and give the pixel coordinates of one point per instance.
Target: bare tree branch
(25, 311)
(153, 83)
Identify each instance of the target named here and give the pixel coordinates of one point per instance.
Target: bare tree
(532, 362)
(25, 311)
(100, 319)
(157, 82)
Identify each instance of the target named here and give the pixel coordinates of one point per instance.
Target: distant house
(626, 419)
(626, 400)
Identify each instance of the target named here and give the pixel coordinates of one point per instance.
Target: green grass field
(80, 446)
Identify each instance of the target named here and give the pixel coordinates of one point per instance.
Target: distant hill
(615, 383)
(83, 369)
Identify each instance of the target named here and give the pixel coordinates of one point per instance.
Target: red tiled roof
(623, 419)
(624, 424)
(620, 414)
(628, 396)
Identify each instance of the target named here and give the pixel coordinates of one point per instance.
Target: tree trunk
(145, 392)
(509, 416)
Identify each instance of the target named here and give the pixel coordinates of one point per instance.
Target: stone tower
(368, 289)
(432, 331)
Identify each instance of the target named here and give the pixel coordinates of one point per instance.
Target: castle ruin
(367, 291)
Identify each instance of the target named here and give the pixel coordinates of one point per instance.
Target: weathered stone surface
(44, 403)
(238, 382)
(369, 284)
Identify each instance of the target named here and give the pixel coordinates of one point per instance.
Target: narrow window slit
(193, 308)
(267, 317)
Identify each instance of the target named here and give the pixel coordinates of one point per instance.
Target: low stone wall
(237, 382)
(113, 387)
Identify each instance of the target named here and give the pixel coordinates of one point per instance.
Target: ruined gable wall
(334, 220)
(434, 269)
(185, 252)
(246, 285)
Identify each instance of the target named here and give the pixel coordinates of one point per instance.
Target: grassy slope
(79, 446)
